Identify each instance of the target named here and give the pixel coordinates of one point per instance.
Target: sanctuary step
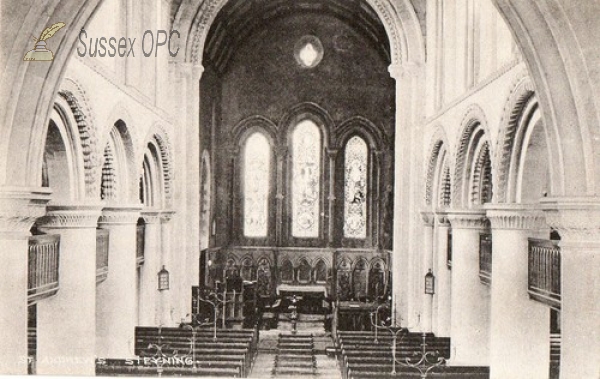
(294, 355)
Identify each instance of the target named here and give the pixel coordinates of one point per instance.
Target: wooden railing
(544, 272)
(485, 258)
(101, 255)
(44, 255)
(140, 235)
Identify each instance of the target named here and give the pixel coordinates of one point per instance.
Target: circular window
(308, 51)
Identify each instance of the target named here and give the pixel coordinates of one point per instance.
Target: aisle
(283, 355)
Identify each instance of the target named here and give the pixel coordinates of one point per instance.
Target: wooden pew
(239, 345)
(123, 367)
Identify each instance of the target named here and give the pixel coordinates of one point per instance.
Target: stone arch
(437, 152)
(118, 174)
(556, 42)
(76, 97)
(152, 185)
(530, 176)
(362, 127)
(481, 176)
(309, 111)
(248, 125)
(518, 110)
(474, 131)
(29, 88)
(398, 18)
(159, 138)
(63, 162)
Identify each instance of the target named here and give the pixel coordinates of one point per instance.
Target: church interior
(301, 188)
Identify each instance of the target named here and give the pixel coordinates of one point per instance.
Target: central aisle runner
(294, 356)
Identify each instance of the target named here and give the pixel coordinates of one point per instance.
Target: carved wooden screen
(304, 271)
(377, 279)
(320, 272)
(287, 271)
(263, 286)
(359, 279)
(344, 286)
(247, 271)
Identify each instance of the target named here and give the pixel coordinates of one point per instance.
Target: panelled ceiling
(239, 19)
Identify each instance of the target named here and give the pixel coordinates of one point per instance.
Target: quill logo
(41, 52)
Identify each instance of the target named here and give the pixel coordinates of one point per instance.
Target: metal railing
(43, 264)
(485, 258)
(102, 236)
(544, 272)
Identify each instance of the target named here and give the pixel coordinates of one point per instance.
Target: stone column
(470, 298)
(66, 322)
(116, 301)
(578, 222)
(167, 296)
(19, 208)
(427, 259)
(148, 315)
(409, 79)
(519, 328)
(443, 276)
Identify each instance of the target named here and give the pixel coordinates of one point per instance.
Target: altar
(289, 289)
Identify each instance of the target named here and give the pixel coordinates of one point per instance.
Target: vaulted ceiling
(239, 19)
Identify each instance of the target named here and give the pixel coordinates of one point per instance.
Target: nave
(439, 157)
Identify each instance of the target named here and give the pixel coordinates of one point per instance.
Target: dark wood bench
(445, 372)
(123, 367)
(239, 346)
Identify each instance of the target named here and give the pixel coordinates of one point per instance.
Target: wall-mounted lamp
(429, 283)
(163, 279)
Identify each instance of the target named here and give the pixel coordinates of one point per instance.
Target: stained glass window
(355, 188)
(257, 161)
(306, 158)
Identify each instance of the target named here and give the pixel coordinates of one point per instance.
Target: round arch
(397, 16)
(474, 132)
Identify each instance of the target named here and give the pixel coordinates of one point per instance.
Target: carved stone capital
(20, 207)
(428, 218)
(166, 216)
(406, 69)
(125, 215)
(467, 219)
(509, 216)
(441, 219)
(577, 220)
(71, 217)
(151, 216)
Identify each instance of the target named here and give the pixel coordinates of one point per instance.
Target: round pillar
(519, 329)
(470, 298)
(66, 322)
